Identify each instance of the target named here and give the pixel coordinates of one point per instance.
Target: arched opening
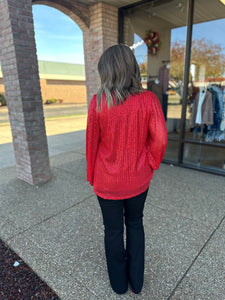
(24, 95)
(59, 42)
(140, 52)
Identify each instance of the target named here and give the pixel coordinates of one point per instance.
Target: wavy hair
(120, 75)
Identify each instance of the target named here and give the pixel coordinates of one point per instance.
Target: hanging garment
(215, 131)
(206, 110)
(220, 98)
(209, 137)
(164, 78)
(165, 105)
(217, 107)
(222, 125)
(198, 119)
(156, 89)
(194, 90)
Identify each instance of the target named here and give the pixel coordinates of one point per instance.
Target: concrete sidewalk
(58, 143)
(57, 230)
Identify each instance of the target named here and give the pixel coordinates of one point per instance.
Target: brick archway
(99, 23)
(79, 14)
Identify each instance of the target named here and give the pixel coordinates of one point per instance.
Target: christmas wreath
(152, 41)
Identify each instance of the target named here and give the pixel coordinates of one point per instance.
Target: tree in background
(204, 53)
(143, 69)
(177, 54)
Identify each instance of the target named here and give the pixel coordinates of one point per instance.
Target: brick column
(102, 33)
(128, 32)
(23, 94)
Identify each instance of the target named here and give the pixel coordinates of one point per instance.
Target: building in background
(62, 81)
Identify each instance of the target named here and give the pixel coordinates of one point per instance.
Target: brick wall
(22, 87)
(2, 88)
(68, 90)
(102, 33)
(128, 32)
(60, 80)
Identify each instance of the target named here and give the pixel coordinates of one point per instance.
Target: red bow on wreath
(152, 41)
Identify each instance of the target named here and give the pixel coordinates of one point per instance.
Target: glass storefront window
(171, 151)
(204, 156)
(158, 30)
(155, 30)
(205, 117)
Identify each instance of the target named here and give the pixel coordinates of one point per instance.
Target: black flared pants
(124, 264)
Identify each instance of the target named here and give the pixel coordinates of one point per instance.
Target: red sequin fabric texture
(124, 145)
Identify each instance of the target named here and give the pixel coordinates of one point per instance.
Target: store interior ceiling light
(223, 1)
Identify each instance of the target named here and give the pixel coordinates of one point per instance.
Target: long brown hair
(120, 75)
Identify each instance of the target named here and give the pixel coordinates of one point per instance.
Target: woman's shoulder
(94, 97)
(92, 104)
(147, 96)
(93, 100)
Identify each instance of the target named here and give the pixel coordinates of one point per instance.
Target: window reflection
(205, 117)
(162, 70)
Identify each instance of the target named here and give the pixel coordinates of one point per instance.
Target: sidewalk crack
(48, 218)
(199, 253)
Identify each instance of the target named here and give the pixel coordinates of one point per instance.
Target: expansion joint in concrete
(52, 216)
(199, 253)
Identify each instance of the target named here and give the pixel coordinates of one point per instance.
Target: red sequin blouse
(124, 145)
